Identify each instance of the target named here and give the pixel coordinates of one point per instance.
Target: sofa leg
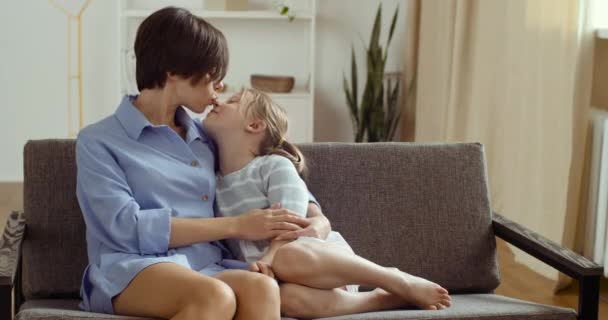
(588, 297)
(6, 303)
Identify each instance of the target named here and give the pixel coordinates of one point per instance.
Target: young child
(258, 168)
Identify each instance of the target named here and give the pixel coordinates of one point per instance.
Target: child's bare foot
(418, 291)
(385, 300)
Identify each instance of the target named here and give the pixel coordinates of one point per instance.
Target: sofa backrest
(423, 208)
(54, 249)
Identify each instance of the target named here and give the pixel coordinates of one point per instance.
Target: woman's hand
(262, 224)
(318, 227)
(261, 267)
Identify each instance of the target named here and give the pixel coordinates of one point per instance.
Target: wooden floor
(517, 281)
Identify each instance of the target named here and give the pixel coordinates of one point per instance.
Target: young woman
(146, 187)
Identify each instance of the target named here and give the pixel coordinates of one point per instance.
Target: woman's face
(226, 117)
(198, 96)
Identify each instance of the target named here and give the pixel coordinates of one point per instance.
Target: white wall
(33, 72)
(33, 64)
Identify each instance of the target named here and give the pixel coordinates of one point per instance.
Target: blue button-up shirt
(132, 178)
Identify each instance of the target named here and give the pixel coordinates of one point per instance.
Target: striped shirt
(262, 182)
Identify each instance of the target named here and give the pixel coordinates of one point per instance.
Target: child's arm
(274, 246)
(284, 186)
(264, 265)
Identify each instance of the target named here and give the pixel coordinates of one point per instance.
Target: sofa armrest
(587, 272)
(551, 253)
(10, 249)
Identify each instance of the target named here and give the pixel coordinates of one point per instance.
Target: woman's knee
(294, 259)
(264, 284)
(257, 284)
(211, 298)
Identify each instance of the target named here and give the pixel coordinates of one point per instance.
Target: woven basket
(277, 84)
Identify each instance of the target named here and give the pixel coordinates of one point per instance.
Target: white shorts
(338, 242)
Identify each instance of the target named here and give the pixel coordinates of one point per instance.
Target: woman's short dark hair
(174, 40)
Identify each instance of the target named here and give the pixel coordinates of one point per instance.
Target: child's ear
(256, 126)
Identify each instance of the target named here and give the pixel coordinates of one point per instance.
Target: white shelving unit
(250, 14)
(260, 41)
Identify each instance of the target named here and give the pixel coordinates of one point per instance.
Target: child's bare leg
(326, 266)
(299, 301)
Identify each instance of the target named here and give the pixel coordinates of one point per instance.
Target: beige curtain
(516, 76)
(412, 22)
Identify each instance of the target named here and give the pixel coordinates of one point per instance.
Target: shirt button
(205, 197)
(194, 163)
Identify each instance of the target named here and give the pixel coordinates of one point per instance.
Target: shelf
(295, 40)
(602, 33)
(250, 14)
(295, 94)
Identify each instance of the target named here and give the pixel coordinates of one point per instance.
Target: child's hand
(261, 267)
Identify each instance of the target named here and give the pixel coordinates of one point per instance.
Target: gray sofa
(424, 208)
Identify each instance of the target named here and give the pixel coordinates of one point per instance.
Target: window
(600, 14)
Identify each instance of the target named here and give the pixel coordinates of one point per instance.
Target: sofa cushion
(474, 306)
(62, 309)
(66, 309)
(421, 207)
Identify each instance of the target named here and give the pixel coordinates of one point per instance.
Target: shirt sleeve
(284, 185)
(110, 212)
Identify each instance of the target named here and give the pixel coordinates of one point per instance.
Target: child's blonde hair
(260, 106)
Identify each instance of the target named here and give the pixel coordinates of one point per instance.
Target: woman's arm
(258, 224)
(111, 214)
(319, 226)
(114, 217)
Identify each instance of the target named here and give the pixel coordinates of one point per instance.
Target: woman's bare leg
(327, 266)
(299, 301)
(257, 295)
(170, 291)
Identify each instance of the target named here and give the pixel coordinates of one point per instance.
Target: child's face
(226, 117)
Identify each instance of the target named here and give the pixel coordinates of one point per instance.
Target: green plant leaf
(366, 107)
(395, 114)
(375, 38)
(392, 30)
(349, 98)
(284, 10)
(354, 112)
(376, 127)
(353, 75)
(390, 111)
(347, 93)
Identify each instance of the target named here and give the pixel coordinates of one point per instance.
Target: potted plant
(376, 116)
(284, 8)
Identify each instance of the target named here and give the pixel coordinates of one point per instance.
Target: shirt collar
(183, 119)
(131, 118)
(134, 120)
